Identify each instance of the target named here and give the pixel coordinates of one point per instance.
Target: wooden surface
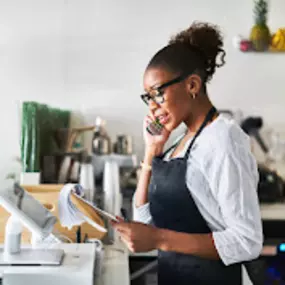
(43, 188)
(48, 195)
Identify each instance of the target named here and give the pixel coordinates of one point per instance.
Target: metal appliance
(123, 145)
(101, 143)
(271, 185)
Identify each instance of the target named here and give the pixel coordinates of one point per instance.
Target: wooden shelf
(245, 45)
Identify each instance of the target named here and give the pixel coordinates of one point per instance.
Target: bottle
(86, 179)
(13, 234)
(75, 169)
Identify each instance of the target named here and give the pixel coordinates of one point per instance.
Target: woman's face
(176, 106)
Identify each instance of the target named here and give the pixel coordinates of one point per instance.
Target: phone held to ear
(155, 128)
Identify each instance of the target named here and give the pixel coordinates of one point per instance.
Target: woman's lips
(163, 119)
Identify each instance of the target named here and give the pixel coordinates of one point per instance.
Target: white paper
(70, 216)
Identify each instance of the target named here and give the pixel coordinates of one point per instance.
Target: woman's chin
(169, 127)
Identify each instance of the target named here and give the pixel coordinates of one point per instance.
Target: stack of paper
(70, 216)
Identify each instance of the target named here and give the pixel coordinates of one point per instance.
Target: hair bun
(206, 39)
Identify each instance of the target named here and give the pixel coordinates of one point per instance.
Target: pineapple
(260, 34)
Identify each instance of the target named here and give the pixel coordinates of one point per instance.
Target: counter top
(272, 211)
(115, 267)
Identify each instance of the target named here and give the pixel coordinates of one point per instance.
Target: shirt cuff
(141, 213)
(234, 250)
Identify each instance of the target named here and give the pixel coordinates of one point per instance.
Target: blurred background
(88, 57)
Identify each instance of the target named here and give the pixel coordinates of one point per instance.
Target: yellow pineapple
(260, 34)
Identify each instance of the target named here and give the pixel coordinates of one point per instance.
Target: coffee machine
(271, 185)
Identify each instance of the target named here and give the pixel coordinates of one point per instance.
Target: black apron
(172, 207)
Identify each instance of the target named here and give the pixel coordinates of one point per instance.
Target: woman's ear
(194, 84)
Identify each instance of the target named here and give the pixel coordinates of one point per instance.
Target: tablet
(99, 211)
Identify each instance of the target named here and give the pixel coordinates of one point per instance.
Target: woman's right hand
(154, 142)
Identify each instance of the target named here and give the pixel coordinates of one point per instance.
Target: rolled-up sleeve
(236, 186)
(141, 213)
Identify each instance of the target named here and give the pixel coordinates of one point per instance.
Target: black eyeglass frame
(146, 97)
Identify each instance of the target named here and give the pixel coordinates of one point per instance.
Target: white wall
(31, 67)
(90, 56)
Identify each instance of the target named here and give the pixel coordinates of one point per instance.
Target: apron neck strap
(209, 117)
(172, 147)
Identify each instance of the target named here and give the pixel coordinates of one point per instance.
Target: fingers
(129, 242)
(122, 227)
(125, 237)
(124, 241)
(149, 117)
(147, 121)
(120, 219)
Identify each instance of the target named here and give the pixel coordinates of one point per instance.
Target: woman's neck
(198, 115)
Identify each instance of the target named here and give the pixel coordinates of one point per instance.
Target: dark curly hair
(195, 49)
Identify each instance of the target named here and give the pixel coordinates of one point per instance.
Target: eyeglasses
(156, 94)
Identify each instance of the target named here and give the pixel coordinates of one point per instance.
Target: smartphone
(155, 127)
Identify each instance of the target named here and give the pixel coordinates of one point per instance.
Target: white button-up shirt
(222, 178)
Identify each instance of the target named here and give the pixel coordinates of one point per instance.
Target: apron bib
(172, 207)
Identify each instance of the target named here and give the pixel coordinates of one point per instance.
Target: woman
(197, 202)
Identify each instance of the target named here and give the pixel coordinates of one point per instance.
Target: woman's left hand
(137, 236)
